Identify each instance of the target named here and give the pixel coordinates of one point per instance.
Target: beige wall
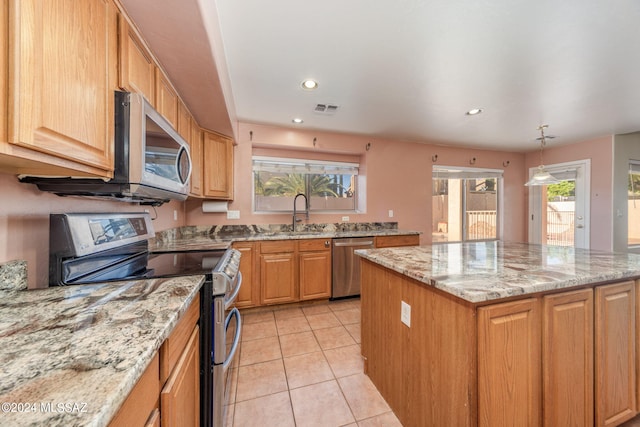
(398, 178)
(24, 222)
(600, 151)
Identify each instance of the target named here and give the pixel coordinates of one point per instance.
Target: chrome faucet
(295, 213)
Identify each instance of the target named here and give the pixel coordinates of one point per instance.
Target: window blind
(285, 165)
(449, 172)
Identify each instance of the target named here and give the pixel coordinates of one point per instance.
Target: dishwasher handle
(353, 244)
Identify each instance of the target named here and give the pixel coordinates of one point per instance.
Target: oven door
(225, 374)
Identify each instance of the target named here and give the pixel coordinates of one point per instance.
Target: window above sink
(330, 186)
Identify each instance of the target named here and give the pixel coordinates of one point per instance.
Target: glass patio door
(558, 213)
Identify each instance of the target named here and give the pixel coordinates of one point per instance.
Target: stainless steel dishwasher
(346, 265)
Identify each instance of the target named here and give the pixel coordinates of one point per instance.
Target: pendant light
(542, 177)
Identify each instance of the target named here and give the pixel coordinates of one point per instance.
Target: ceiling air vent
(325, 109)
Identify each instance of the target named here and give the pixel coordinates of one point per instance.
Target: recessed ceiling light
(297, 120)
(309, 84)
(474, 111)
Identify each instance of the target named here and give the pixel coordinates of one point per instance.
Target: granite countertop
(212, 241)
(69, 356)
(485, 271)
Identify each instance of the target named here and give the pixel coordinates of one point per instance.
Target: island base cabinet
(615, 358)
(424, 371)
(509, 364)
(567, 365)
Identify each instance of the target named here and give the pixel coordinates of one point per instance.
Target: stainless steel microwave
(152, 161)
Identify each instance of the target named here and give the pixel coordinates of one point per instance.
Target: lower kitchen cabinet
(180, 397)
(168, 392)
(509, 364)
(142, 406)
(249, 295)
(615, 358)
(294, 270)
(314, 262)
(567, 363)
(278, 272)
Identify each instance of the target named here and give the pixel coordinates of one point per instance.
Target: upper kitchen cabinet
(195, 143)
(217, 165)
(166, 99)
(137, 67)
(60, 83)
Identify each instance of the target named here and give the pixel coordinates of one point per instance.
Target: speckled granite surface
(82, 346)
(13, 275)
(484, 271)
(220, 237)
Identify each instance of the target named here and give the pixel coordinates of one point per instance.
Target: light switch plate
(233, 214)
(405, 314)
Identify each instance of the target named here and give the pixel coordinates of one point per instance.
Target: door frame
(583, 201)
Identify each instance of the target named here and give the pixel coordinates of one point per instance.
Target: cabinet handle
(327, 243)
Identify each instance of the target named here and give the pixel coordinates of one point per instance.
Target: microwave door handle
(184, 152)
(236, 338)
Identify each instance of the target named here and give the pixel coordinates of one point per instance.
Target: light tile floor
(301, 366)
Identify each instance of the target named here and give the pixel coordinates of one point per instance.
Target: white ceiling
(407, 69)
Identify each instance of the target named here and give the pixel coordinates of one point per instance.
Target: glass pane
(634, 209)
(446, 205)
(558, 223)
(481, 209)
(332, 192)
(275, 191)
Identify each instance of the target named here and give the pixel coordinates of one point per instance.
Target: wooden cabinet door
(196, 160)
(217, 166)
(166, 99)
(277, 278)
(567, 348)
(249, 295)
(137, 67)
(184, 121)
(315, 275)
(615, 363)
(509, 366)
(62, 77)
(180, 397)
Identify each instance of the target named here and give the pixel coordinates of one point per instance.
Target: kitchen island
(70, 356)
(493, 333)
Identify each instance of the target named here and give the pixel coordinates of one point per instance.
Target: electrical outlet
(390, 213)
(345, 219)
(233, 214)
(405, 314)
(175, 215)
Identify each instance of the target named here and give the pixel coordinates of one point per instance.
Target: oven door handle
(236, 338)
(231, 298)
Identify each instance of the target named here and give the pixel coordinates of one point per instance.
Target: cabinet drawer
(307, 245)
(173, 347)
(277, 246)
(390, 241)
